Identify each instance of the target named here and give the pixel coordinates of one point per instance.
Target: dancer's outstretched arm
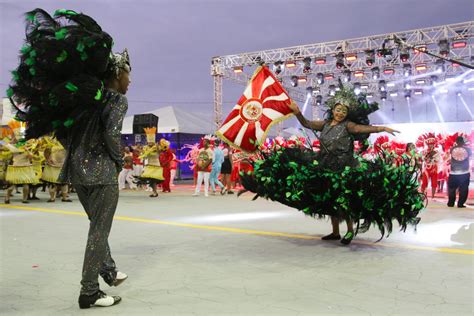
(315, 125)
(354, 128)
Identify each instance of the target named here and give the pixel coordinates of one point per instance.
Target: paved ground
(224, 255)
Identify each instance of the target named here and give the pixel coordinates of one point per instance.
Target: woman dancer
(333, 181)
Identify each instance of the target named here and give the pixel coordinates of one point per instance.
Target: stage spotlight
(320, 61)
(277, 67)
(306, 65)
(359, 73)
(385, 53)
(407, 85)
(319, 99)
(369, 96)
(382, 85)
(302, 79)
(364, 86)
(351, 57)
(459, 44)
(391, 84)
(394, 94)
(340, 60)
(357, 89)
(290, 64)
(328, 76)
(309, 91)
(443, 47)
(458, 93)
(440, 66)
(369, 57)
(420, 81)
(332, 90)
(407, 94)
(389, 71)
(346, 75)
(383, 95)
(406, 70)
(294, 81)
(320, 78)
(238, 69)
(316, 91)
(418, 92)
(419, 49)
(421, 67)
(404, 55)
(375, 73)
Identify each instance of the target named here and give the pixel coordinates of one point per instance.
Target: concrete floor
(224, 255)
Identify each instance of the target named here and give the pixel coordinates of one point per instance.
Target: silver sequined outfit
(92, 165)
(337, 147)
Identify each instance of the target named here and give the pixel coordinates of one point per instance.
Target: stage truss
(348, 58)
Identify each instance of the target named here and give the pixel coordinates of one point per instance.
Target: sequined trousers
(99, 202)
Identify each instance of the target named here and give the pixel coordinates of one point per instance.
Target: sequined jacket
(93, 147)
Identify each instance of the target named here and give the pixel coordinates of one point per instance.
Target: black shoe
(331, 236)
(230, 192)
(34, 198)
(450, 205)
(98, 299)
(461, 206)
(347, 238)
(25, 202)
(66, 200)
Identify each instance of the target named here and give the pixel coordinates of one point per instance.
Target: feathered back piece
(450, 141)
(62, 67)
(150, 134)
(427, 139)
(382, 143)
(398, 147)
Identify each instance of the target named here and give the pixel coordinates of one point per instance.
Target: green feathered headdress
(345, 96)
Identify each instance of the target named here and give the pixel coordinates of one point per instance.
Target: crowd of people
(36, 164)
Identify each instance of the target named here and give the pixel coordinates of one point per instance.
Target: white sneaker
(195, 194)
(206, 195)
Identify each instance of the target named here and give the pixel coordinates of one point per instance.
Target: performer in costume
(333, 181)
(69, 83)
(55, 155)
(204, 166)
(431, 159)
(153, 172)
(37, 159)
(166, 156)
(20, 171)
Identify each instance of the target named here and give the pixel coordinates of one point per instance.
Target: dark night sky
(171, 42)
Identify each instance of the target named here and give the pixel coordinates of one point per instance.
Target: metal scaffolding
(390, 56)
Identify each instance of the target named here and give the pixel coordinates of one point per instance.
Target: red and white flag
(264, 103)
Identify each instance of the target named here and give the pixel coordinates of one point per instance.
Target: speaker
(140, 121)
